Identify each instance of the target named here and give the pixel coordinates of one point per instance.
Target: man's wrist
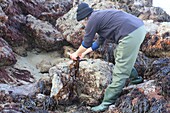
(83, 53)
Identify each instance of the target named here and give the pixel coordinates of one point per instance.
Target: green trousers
(125, 56)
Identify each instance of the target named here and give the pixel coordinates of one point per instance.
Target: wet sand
(31, 61)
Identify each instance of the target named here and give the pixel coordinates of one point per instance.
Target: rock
(40, 96)
(158, 68)
(45, 35)
(44, 66)
(56, 9)
(147, 3)
(7, 56)
(156, 46)
(74, 34)
(15, 36)
(27, 89)
(160, 72)
(3, 16)
(93, 78)
(157, 41)
(29, 24)
(14, 76)
(158, 14)
(142, 63)
(44, 86)
(144, 97)
(56, 83)
(14, 28)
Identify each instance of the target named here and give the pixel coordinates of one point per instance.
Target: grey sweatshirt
(109, 24)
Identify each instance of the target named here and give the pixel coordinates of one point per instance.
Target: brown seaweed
(70, 85)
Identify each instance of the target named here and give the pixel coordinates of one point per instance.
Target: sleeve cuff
(84, 45)
(95, 46)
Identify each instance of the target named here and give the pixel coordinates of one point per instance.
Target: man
(127, 31)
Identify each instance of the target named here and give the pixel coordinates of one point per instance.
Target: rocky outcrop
(14, 14)
(56, 9)
(157, 41)
(45, 36)
(7, 56)
(92, 78)
(15, 76)
(44, 66)
(160, 72)
(151, 96)
(48, 25)
(142, 98)
(73, 35)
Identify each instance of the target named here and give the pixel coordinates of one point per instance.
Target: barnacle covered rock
(92, 79)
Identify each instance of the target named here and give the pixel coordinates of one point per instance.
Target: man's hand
(74, 56)
(82, 55)
(79, 51)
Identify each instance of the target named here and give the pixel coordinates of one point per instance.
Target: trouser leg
(125, 57)
(134, 77)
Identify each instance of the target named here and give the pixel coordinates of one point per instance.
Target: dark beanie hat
(83, 11)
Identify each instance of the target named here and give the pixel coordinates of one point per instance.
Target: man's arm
(94, 47)
(90, 31)
(82, 51)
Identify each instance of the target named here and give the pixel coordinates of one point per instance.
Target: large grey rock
(93, 78)
(45, 35)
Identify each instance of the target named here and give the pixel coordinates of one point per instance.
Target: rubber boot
(111, 94)
(134, 78)
(102, 107)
